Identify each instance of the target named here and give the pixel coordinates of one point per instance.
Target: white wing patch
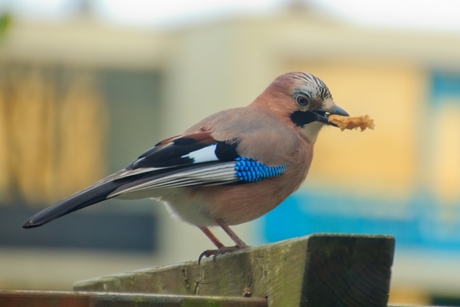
(205, 154)
(209, 175)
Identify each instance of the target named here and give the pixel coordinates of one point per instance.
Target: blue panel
(444, 85)
(416, 222)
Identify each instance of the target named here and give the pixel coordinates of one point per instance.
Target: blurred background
(87, 86)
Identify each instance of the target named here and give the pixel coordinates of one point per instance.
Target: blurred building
(80, 99)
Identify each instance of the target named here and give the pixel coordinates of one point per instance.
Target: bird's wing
(192, 160)
(195, 159)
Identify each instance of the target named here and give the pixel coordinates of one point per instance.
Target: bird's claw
(220, 251)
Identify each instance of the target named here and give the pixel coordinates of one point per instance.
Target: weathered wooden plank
(317, 270)
(88, 299)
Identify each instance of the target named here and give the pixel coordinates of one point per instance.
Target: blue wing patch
(250, 171)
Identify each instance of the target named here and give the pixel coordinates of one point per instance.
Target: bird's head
(302, 99)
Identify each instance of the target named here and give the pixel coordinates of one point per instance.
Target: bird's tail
(80, 200)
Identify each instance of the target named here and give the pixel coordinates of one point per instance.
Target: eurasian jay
(230, 168)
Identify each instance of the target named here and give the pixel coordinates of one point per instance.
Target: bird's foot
(220, 251)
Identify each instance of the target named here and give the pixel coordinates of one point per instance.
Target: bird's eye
(302, 101)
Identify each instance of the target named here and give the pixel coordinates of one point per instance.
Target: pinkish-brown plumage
(201, 174)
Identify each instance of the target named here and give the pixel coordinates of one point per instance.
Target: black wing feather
(169, 157)
(78, 201)
(174, 153)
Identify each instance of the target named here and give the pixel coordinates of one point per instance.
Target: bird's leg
(221, 249)
(239, 243)
(226, 249)
(212, 237)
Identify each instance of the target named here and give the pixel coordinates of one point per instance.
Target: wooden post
(317, 270)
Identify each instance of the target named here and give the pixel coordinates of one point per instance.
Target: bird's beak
(322, 115)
